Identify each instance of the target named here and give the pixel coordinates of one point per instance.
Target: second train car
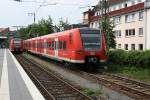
(16, 45)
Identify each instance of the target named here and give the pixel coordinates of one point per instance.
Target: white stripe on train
(61, 58)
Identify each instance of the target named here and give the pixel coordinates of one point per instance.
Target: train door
(36, 45)
(45, 46)
(56, 47)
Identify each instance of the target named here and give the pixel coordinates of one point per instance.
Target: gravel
(82, 82)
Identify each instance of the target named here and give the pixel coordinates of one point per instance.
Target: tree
(35, 30)
(43, 27)
(24, 33)
(107, 28)
(107, 25)
(47, 26)
(63, 25)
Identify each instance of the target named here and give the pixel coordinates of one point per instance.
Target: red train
(80, 45)
(16, 45)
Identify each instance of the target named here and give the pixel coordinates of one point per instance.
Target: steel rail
(129, 87)
(45, 83)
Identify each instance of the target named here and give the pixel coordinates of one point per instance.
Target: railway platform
(14, 82)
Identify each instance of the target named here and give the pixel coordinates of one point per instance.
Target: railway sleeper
(60, 91)
(54, 86)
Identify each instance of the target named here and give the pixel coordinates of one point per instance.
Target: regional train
(16, 45)
(76, 46)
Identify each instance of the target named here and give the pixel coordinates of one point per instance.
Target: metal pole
(34, 17)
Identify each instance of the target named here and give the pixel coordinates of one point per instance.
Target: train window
(53, 46)
(91, 39)
(49, 45)
(45, 45)
(40, 44)
(60, 44)
(37, 45)
(64, 45)
(56, 45)
(70, 36)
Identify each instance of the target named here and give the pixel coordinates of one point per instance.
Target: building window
(118, 33)
(132, 46)
(140, 46)
(140, 31)
(126, 46)
(117, 20)
(141, 15)
(119, 46)
(127, 34)
(130, 32)
(129, 18)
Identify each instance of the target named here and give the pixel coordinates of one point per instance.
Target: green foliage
(129, 58)
(63, 25)
(131, 72)
(24, 33)
(43, 27)
(46, 26)
(107, 27)
(90, 92)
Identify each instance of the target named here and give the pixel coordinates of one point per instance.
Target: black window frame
(64, 45)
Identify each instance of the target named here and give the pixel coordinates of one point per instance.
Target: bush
(129, 58)
(116, 56)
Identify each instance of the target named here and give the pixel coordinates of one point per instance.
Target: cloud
(15, 13)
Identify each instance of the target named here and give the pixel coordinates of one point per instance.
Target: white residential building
(132, 23)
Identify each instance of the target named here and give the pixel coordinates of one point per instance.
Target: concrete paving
(1, 62)
(14, 82)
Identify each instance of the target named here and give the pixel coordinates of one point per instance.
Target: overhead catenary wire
(45, 3)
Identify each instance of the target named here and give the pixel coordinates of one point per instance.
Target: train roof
(65, 32)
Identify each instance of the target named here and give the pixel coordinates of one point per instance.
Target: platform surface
(15, 84)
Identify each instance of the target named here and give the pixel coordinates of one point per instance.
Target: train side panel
(75, 46)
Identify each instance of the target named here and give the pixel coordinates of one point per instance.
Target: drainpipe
(145, 9)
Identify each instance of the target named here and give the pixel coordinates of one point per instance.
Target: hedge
(129, 58)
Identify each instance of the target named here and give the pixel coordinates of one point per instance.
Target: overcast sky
(14, 13)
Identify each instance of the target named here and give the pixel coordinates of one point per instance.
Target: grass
(142, 74)
(90, 92)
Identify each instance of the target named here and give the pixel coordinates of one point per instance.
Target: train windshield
(91, 39)
(17, 42)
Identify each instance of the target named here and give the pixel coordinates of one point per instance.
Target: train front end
(17, 46)
(93, 46)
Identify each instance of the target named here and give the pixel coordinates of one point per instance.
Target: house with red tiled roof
(3, 32)
(131, 19)
(3, 36)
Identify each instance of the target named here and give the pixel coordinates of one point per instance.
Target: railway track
(132, 88)
(51, 86)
